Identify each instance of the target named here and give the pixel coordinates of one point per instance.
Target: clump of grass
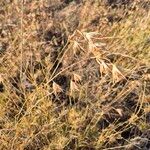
(84, 88)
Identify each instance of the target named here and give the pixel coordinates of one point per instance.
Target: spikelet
(75, 47)
(116, 74)
(90, 35)
(104, 68)
(57, 88)
(119, 111)
(76, 77)
(73, 88)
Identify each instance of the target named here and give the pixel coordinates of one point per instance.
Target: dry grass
(74, 75)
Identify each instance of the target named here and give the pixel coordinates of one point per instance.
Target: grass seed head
(57, 88)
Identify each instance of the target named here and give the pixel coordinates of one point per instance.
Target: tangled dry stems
(84, 88)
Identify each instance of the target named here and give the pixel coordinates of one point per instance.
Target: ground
(74, 74)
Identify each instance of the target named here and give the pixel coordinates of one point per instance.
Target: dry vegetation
(74, 74)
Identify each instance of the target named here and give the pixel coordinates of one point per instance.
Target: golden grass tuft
(74, 75)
